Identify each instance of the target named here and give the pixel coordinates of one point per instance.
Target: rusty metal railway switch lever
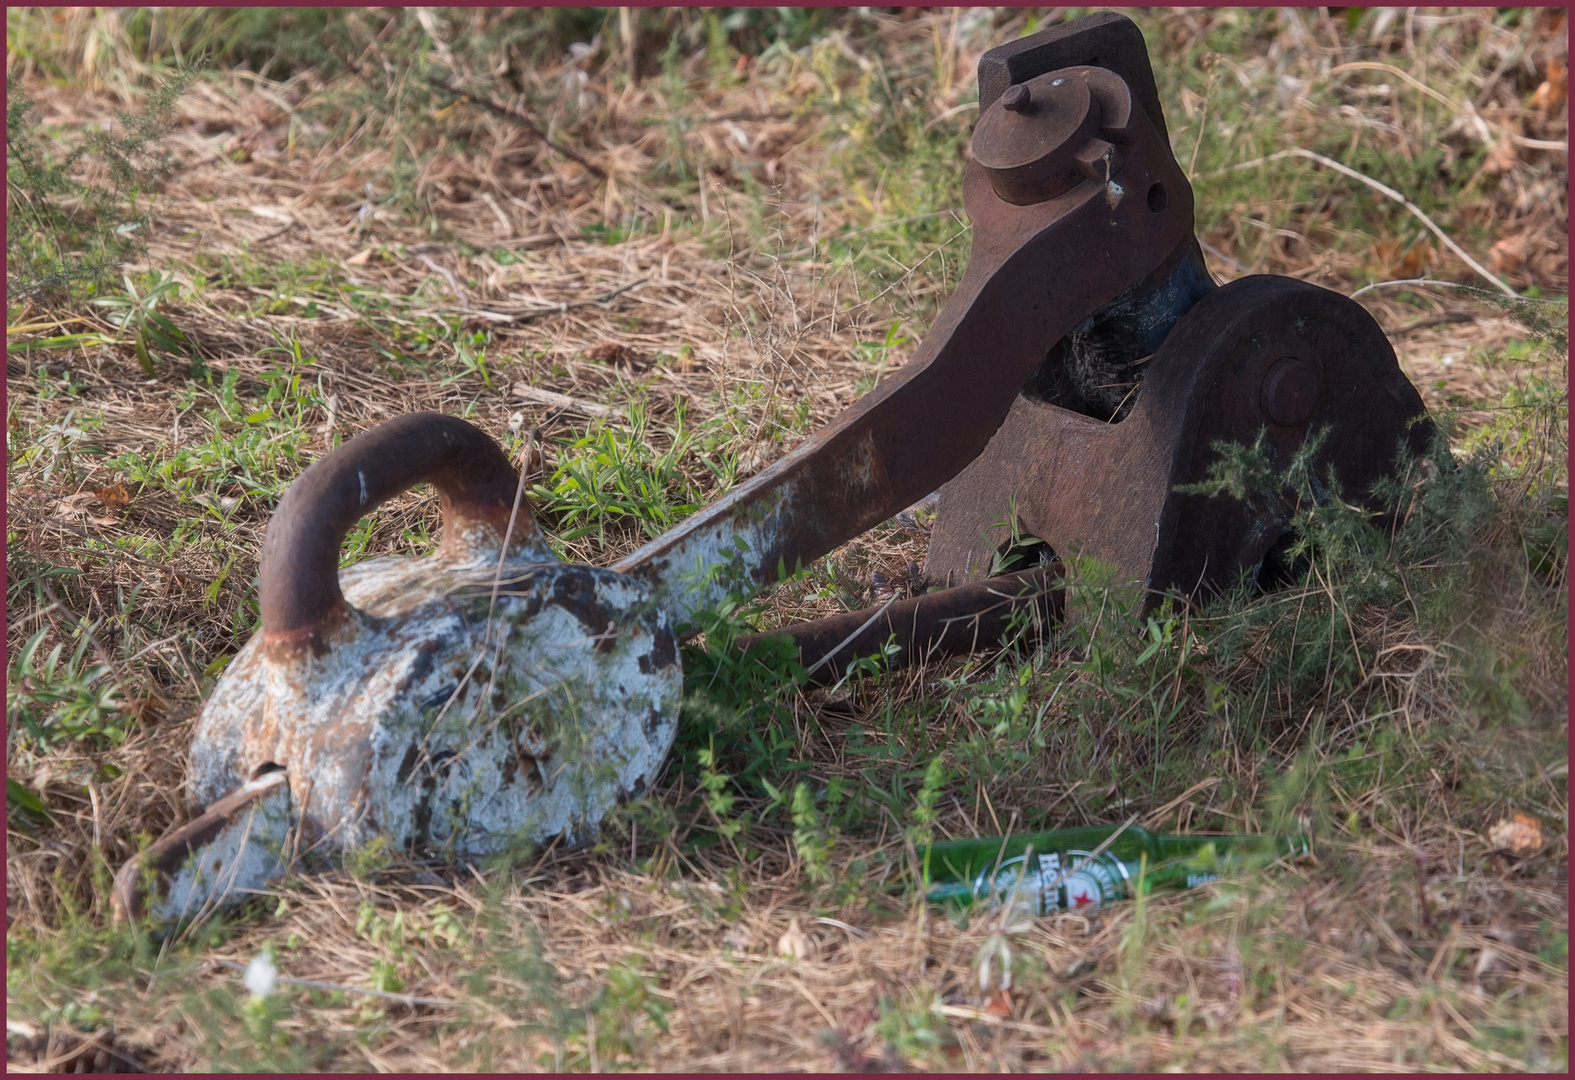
(459, 703)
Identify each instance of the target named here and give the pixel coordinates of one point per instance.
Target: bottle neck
(1182, 847)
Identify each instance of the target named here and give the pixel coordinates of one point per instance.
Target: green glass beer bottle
(1057, 871)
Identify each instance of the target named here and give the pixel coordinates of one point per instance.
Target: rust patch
(1111, 488)
(577, 595)
(663, 655)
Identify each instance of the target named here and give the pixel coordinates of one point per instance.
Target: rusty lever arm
(1034, 273)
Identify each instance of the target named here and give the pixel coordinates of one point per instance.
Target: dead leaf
(754, 462)
(76, 508)
(331, 407)
(360, 258)
(1509, 254)
(999, 1003)
(1487, 960)
(794, 943)
(1505, 156)
(1520, 835)
(1553, 89)
(1395, 259)
(739, 939)
(114, 497)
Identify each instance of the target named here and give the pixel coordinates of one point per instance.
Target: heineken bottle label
(1057, 881)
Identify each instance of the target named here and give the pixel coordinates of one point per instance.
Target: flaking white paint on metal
(244, 856)
(551, 720)
(709, 564)
(235, 706)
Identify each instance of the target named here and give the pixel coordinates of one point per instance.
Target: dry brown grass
(1313, 972)
(1409, 946)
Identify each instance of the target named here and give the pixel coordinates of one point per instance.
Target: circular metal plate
(1028, 148)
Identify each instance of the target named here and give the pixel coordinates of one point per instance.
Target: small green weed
(738, 699)
(152, 334)
(54, 446)
(812, 839)
(257, 443)
(268, 1045)
(623, 1007)
(364, 862)
(907, 1026)
(74, 700)
(24, 810)
(718, 800)
(612, 476)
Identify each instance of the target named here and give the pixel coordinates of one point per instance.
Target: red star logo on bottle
(1085, 889)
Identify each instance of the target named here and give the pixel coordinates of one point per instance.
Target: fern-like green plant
(811, 838)
(63, 231)
(718, 800)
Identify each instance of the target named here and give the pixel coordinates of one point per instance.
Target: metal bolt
(1016, 99)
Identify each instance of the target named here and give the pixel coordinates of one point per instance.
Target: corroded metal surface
(455, 704)
(452, 704)
(237, 845)
(299, 592)
(1104, 39)
(929, 626)
(419, 724)
(1263, 353)
(1036, 273)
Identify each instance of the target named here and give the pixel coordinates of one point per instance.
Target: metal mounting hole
(1022, 553)
(1157, 199)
